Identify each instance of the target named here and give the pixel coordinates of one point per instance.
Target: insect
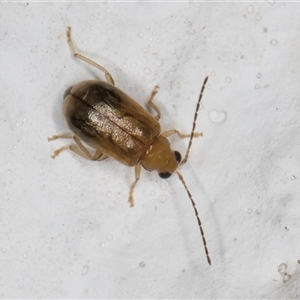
(116, 126)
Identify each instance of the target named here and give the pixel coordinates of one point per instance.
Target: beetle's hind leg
(108, 77)
(152, 104)
(137, 177)
(61, 136)
(79, 148)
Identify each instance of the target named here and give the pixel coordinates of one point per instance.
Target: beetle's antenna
(197, 215)
(194, 123)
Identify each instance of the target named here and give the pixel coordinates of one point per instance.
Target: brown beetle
(112, 123)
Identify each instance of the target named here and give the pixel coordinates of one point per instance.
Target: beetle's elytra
(112, 123)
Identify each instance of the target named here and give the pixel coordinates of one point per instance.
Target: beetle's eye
(178, 156)
(164, 175)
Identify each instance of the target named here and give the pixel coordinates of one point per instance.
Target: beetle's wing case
(109, 120)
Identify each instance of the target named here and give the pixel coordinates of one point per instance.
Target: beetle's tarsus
(52, 138)
(131, 201)
(56, 152)
(198, 134)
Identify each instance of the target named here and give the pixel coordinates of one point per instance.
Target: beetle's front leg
(137, 177)
(182, 135)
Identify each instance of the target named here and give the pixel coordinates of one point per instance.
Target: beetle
(116, 126)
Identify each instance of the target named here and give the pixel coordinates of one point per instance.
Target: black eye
(178, 156)
(164, 175)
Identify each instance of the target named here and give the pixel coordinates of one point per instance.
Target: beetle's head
(161, 157)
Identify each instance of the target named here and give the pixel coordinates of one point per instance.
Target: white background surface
(66, 227)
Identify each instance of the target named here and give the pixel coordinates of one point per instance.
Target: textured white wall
(66, 227)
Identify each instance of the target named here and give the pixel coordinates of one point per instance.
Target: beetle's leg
(108, 77)
(86, 154)
(152, 104)
(173, 131)
(80, 149)
(137, 177)
(61, 136)
(57, 151)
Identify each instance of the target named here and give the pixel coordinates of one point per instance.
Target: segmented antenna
(194, 123)
(196, 213)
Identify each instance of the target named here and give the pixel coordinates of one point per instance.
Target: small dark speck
(286, 228)
(142, 264)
